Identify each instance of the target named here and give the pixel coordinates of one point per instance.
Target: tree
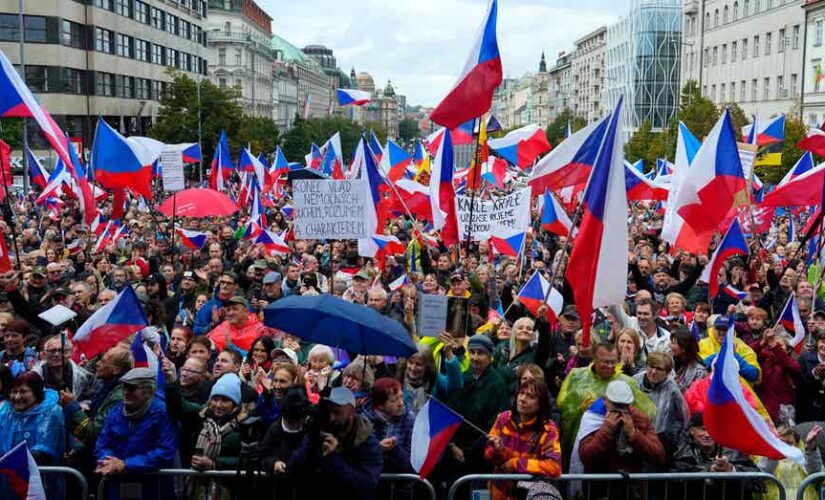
(262, 134)
(557, 130)
(408, 130)
(11, 132)
(298, 141)
(737, 117)
(638, 145)
(698, 113)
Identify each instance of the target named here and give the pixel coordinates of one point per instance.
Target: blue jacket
(147, 444)
(396, 460)
(203, 318)
(41, 426)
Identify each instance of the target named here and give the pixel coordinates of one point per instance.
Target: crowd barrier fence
(68, 471)
(812, 480)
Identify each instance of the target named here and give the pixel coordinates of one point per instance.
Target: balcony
(234, 37)
(691, 7)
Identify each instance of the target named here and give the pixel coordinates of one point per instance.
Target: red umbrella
(198, 202)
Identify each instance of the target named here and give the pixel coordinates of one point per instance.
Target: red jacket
(780, 377)
(599, 454)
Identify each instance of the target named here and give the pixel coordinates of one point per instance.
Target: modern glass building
(642, 63)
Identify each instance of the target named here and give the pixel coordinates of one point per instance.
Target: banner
(171, 163)
(331, 209)
(498, 216)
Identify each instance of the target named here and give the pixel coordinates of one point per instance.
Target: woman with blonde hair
(631, 354)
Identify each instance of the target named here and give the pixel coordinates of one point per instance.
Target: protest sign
(331, 209)
(432, 314)
(500, 215)
(171, 162)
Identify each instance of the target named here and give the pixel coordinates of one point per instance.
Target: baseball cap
(341, 396)
(457, 275)
(259, 264)
(236, 299)
(362, 274)
(570, 311)
(40, 271)
(721, 323)
(189, 275)
(271, 277)
(619, 392)
(289, 353)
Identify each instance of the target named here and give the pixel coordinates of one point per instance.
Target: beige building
(587, 75)
(813, 69)
(310, 78)
(107, 58)
(524, 101)
(560, 88)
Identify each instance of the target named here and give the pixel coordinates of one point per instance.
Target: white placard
(171, 162)
(500, 215)
(747, 155)
(432, 314)
(331, 209)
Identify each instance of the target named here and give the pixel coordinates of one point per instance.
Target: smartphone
(197, 451)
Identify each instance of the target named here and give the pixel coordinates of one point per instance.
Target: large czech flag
(522, 146)
(121, 163)
(222, 165)
(553, 217)
(472, 94)
(640, 188)
(433, 429)
(597, 269)
(729, 418)
(442, 192)
(804, 190)
(803, 164)
(352, 97)
(733, 243)
(109, 325)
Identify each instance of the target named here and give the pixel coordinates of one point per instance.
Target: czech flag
(375, 146)
(734, 293)
(120, 163)
(412, 196)
(191, 239)
(674, 229)
(569, 163)
(398, 283)
(37, 173)
(222, 165)
(472, 94)
(433, 429)
(553, 217)
(442, 193)
(639, 188)
(397, 159)
(192, 153)
(791, 321)
(375, 216)
(733, 243)
(494, 171)
(273, 244)
(814, 141)
(247, 162)
(522, 146)
(713, 185)
(537, 291)
(332, 161)
(109, 325)
(766, 131)
(804, 190)
(803, 164)
(21, 471)
(139, 357)
(597, 267)
(313, 159)
(388, 244)
(463, 134)
(352, 97)
(509, 245)
(729, 418)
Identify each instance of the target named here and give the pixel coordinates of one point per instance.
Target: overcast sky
(422, 44)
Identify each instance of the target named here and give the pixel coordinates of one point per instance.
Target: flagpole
(471, 183)
(459, 415)
(174, 213)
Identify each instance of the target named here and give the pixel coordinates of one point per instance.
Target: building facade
(285, 100)
(560, 88)
(104, 58)
(587, 74)
(313, 84)
(813, 70)
(526, 100)
(238, 33)
(642, 63)
(746, 51)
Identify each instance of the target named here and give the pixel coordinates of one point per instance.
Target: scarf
(210, 440)
(417, 390)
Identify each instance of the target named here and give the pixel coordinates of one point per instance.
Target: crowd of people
(223, 391)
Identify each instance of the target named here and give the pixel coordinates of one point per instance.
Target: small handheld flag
(434, 427)
(19, 467)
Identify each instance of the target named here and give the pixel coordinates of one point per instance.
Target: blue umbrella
(329, 320)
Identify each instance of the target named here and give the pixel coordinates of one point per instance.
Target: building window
(222, 83)
(722, 92)
(222, 57)
(753, 89)
(141, 50)
(715, 56)
(725, 15)
(768, 41)
(756, 46)
(766, 88)
(158, 54)
(757, 6)
(707, 20)
(37, 78)
(781, 41)
(171, 24)
(73, 81)
(732, 91)
(716, 18)
(143, 88)
(818, 33)
(795, 38)
(103, 40)
(172, 57)
(742, 90)
(104, 4)
(185, 29)
(724, 54)
(124, 46)
(126, 86)
(160, 89)
(238, 57)
(735, 11)
(123, 7)
(733, 47)
(780, 87)
(793, 85)
(744, 48)
(72, 34)
(104, 84)
(141, 12)
(713, 93)
(157, 18)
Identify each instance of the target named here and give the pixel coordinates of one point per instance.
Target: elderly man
(137, 435)
(60, 372)
(583, 386)
(345, 453)
(241, 327)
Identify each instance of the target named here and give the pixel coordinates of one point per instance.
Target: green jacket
(507, 367)
(87, 428)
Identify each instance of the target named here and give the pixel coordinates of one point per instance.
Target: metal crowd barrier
(229, 474)
(812, 480)
(627, 482)
(68, 471)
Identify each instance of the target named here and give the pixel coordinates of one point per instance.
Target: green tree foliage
(557, 129)
(698, 113)
(408, 130)
(11, 132)
(649, 146)
(261, 133)
(298, 140)
(737, 118)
